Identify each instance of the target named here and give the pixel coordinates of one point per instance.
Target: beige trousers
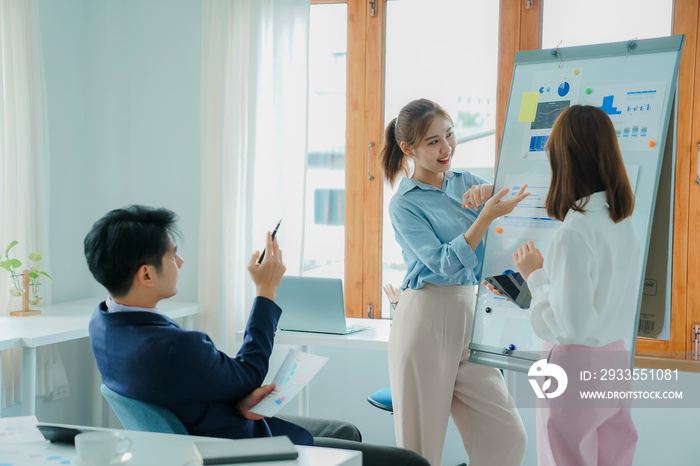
(432, 379)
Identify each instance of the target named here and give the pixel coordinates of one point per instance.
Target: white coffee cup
(99, 448)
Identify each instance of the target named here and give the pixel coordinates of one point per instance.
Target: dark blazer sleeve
(202, 372)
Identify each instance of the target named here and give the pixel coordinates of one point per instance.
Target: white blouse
(586, 293)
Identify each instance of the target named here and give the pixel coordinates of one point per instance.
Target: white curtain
(24, 171)
(254, 112)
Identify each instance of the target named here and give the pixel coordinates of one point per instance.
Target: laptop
(311, 304)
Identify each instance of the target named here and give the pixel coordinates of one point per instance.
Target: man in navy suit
(144, 355)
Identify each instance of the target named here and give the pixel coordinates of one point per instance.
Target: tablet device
(512, 286)
(59, 434)
(247, 450)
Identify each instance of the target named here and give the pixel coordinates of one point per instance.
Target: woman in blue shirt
(439, 221)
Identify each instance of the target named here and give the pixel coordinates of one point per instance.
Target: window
(451, 46)
(453, 61)
(601, 21)
(324, 235)
(370, 249)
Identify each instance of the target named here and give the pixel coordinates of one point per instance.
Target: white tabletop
(155, 449)
(57, 323)
(8, 340)
(67, 321)
(374, 337)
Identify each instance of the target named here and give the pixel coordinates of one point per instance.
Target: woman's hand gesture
(495, 207)
(493, 289)
(476, 195)
(528, 259)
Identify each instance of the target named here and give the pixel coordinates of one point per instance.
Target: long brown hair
(410, 127)
(585, 158)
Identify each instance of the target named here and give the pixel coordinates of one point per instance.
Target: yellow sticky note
(528, 106)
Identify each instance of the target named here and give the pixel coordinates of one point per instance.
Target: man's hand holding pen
(274, 233)
(268, 275)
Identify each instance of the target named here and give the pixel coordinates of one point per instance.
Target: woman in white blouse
(583, 304)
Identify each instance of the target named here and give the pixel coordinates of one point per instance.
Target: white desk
(154, 449)
(375, 337)
(59, 323)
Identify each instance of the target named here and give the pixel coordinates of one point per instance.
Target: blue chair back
(139, 415)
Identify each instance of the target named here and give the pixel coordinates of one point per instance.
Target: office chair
(382, 399)
(139, 415)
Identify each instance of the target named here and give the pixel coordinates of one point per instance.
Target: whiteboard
(635, 83)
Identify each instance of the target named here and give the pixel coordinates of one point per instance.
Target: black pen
(259, 261)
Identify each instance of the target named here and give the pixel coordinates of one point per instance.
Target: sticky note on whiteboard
(528, 106)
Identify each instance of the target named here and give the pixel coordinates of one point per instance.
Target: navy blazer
(148, 357)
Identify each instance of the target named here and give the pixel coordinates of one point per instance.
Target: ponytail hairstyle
(585, 158)
(410, 127)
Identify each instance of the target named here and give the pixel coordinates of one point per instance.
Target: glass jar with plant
(17, 286)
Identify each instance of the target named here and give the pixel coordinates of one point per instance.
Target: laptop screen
(311, 304)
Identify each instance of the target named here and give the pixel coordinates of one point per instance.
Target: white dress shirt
(587, 291)
(116, 307)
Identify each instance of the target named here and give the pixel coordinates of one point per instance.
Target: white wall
(123, 96)
(122, 81)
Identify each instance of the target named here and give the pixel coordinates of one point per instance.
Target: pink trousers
(572, 432)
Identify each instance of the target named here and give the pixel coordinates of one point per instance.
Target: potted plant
(17, 287)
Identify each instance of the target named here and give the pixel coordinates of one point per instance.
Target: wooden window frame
(364, 119)
(364, 196)
(520, 28)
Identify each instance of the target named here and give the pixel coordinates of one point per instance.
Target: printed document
(296, 371)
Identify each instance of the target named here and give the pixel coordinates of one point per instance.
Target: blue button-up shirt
(429, 224)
